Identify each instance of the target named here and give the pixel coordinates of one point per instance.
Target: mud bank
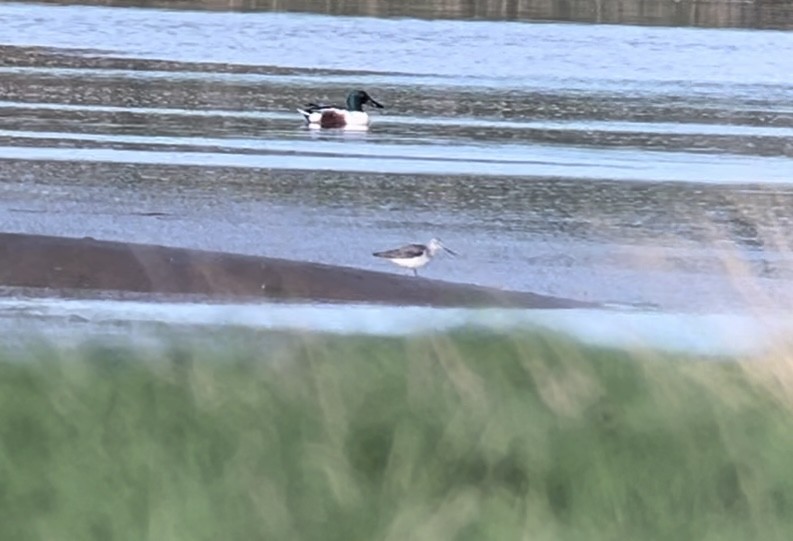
(60, 263)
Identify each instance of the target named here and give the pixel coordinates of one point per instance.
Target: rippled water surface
(627, 164)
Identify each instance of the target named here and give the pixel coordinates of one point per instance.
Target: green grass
(465, 436)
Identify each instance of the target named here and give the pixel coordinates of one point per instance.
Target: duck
(332, 116)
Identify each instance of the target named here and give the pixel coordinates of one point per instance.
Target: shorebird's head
(358, 98)
(435, 245)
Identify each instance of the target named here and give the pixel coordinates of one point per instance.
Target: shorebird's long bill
(450, 251)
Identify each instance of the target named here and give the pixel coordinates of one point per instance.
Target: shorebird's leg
(415, 272)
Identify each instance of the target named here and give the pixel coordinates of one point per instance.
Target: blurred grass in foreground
(457, 436)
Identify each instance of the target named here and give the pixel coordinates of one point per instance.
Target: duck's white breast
(357, 118)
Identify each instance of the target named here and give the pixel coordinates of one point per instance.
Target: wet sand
(78, 264)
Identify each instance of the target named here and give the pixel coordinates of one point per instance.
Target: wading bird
(414, 256)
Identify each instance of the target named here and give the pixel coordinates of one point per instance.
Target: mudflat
(76, 264)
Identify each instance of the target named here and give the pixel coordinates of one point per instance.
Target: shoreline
(86, 264)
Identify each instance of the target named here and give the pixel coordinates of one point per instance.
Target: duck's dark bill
(376, 104)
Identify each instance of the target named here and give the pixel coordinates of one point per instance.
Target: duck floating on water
(331, 116)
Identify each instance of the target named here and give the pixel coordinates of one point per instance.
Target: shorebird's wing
(404, 252)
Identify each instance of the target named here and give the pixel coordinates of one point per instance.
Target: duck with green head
(331, 116)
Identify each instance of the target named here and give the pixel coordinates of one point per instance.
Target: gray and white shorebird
(414, 256)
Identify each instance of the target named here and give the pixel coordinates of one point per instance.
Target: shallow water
(158, 324)
(624, 164)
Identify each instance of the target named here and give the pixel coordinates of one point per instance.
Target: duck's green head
(358, 98)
